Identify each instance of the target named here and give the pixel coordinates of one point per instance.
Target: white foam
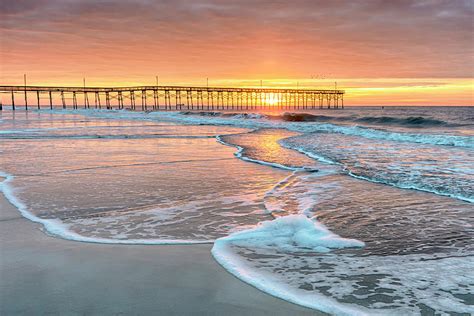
(292, 232)
(386, 285)
(410, 187)
(372, 133)
(60, 229)
(259, 121)
(278, 258)
(286, 234)
(405, 178)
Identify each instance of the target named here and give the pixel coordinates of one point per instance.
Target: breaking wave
(258, 120)
(411, 121)
(324, 124)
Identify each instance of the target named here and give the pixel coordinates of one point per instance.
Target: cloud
(397, 38)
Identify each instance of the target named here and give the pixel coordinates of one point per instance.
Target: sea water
(356, 211)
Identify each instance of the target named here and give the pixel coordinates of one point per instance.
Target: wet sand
(40, 274)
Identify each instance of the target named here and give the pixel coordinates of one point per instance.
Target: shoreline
(45, 274)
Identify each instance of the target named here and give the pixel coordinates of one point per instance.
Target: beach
(349, 213)
(214, 157)
(51, 276)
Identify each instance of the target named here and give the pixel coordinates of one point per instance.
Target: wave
(416, 121)
(371, 133)
(292, 233)
(301, 261)
(258, 120)
(411, 121)
(252, 120)
(57, 228)
(340, 284)
(343, 168)
(404, 181)
(401, 183)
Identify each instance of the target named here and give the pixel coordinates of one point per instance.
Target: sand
(40, 274)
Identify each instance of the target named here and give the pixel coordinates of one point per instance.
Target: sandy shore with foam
(41, 274)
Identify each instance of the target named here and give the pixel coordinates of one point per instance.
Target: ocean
(360, 211)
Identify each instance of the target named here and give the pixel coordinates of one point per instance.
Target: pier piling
(197, 98)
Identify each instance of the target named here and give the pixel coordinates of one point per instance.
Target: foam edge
(263, 280)
(55, 228)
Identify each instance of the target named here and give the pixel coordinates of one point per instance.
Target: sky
(396, 52)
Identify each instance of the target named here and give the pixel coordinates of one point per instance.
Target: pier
(169, 98)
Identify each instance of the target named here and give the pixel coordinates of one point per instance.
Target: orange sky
(381, 52)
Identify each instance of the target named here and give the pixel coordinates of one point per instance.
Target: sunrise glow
(426, 60)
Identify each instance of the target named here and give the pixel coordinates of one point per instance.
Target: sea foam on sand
(292, 233)
(57, 228)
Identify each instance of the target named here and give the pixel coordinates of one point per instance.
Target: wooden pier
(156, 98)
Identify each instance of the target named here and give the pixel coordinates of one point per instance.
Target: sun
(272, 99)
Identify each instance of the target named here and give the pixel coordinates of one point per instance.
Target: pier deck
(157, 98)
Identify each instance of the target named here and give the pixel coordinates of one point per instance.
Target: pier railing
(157, 98)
